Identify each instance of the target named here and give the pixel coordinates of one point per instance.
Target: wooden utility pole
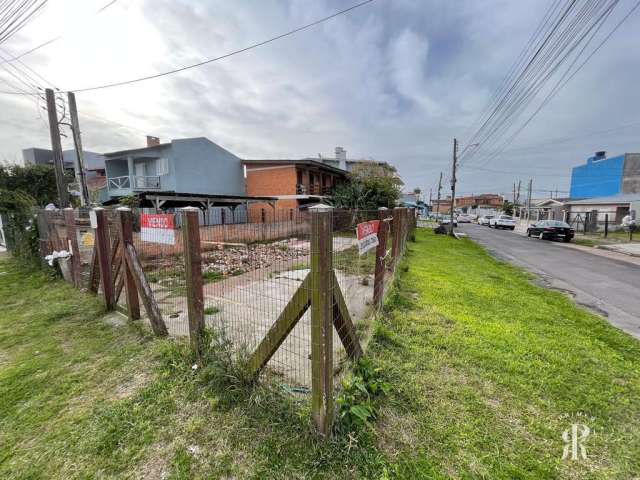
(453, 182)
(529, 199)
(79, 158)
(56, 147)
(439, 188)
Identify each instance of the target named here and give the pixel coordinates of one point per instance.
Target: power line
(569, 31)
(226, 55)
(54, 39)
(16, 15)
(562, 82)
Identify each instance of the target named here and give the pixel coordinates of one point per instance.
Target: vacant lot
(486, 369)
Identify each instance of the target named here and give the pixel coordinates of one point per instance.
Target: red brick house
(295, 183)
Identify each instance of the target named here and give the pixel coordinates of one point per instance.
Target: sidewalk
(632, 249)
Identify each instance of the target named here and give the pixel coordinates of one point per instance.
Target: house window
(162, 166)
(223, 215)
(291, 214)
(263, 215)
(299, 177)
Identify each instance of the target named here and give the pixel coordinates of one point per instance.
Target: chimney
(152, 141)
(341, 157)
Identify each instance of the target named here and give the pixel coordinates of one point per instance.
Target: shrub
(355, 403)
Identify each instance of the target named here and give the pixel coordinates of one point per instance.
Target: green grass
(211, 310)
(586, 242)
(350, 261)
(212, 276)
(618, 236)
(486, 371)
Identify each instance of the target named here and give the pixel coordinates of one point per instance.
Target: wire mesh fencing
(294, 294)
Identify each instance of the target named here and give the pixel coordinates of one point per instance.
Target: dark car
(551, 229)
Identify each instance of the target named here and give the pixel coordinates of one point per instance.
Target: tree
(36, 181)
(367, 189)
(507, 207)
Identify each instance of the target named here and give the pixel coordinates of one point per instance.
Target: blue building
(604, 176)
(190, 165)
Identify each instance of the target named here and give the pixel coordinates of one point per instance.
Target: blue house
(189, 165)
(602, 176)
(185, 172)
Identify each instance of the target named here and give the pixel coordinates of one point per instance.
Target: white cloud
(393, 80)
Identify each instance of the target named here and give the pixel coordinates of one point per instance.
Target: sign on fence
(93, 221)
(367, 235)
(157, 228)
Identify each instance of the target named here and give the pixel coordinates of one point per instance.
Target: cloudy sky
(394, 80)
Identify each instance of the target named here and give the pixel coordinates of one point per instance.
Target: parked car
(502, 221)
(447, 221)
(484, 220)
(464, 218)
(551, 229)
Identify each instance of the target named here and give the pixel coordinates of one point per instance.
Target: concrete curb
(611, 248)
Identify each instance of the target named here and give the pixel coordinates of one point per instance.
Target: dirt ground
(243, 306)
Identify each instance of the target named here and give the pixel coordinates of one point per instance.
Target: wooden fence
(116, 266)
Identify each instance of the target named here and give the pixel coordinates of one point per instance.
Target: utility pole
(56, 147)
(77, 142)
(439, 188)
(453, 181)
(518, 197)
(529, 199)
(430, 191)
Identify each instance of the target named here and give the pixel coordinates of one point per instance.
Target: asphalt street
(608, 286)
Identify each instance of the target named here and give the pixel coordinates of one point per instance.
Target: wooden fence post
(381, 252)
(126, 237)
(397, 235)
(193, 275)
(72, 238)
(104, 256)
(321, 321)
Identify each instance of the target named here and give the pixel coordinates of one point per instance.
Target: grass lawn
(486, 370)
(594, 239)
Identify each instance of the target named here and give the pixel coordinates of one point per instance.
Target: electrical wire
(55, 39)
(226, 55)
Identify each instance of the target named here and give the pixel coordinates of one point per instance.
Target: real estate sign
(367, 233)
(157, 228)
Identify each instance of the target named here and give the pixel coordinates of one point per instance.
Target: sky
(394, 80)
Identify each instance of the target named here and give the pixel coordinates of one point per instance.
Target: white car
(502, 221)
(464, 218)
(484, 220)
(447, 221)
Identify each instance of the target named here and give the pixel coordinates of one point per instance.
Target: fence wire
(253, 274)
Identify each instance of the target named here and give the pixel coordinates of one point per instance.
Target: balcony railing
(149, 182)
(119, 183)
(302, 189)
(140, 182)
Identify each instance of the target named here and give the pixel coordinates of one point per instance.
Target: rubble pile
(237, 260)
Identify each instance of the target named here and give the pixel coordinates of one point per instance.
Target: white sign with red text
(157, 228)
(367, 233)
